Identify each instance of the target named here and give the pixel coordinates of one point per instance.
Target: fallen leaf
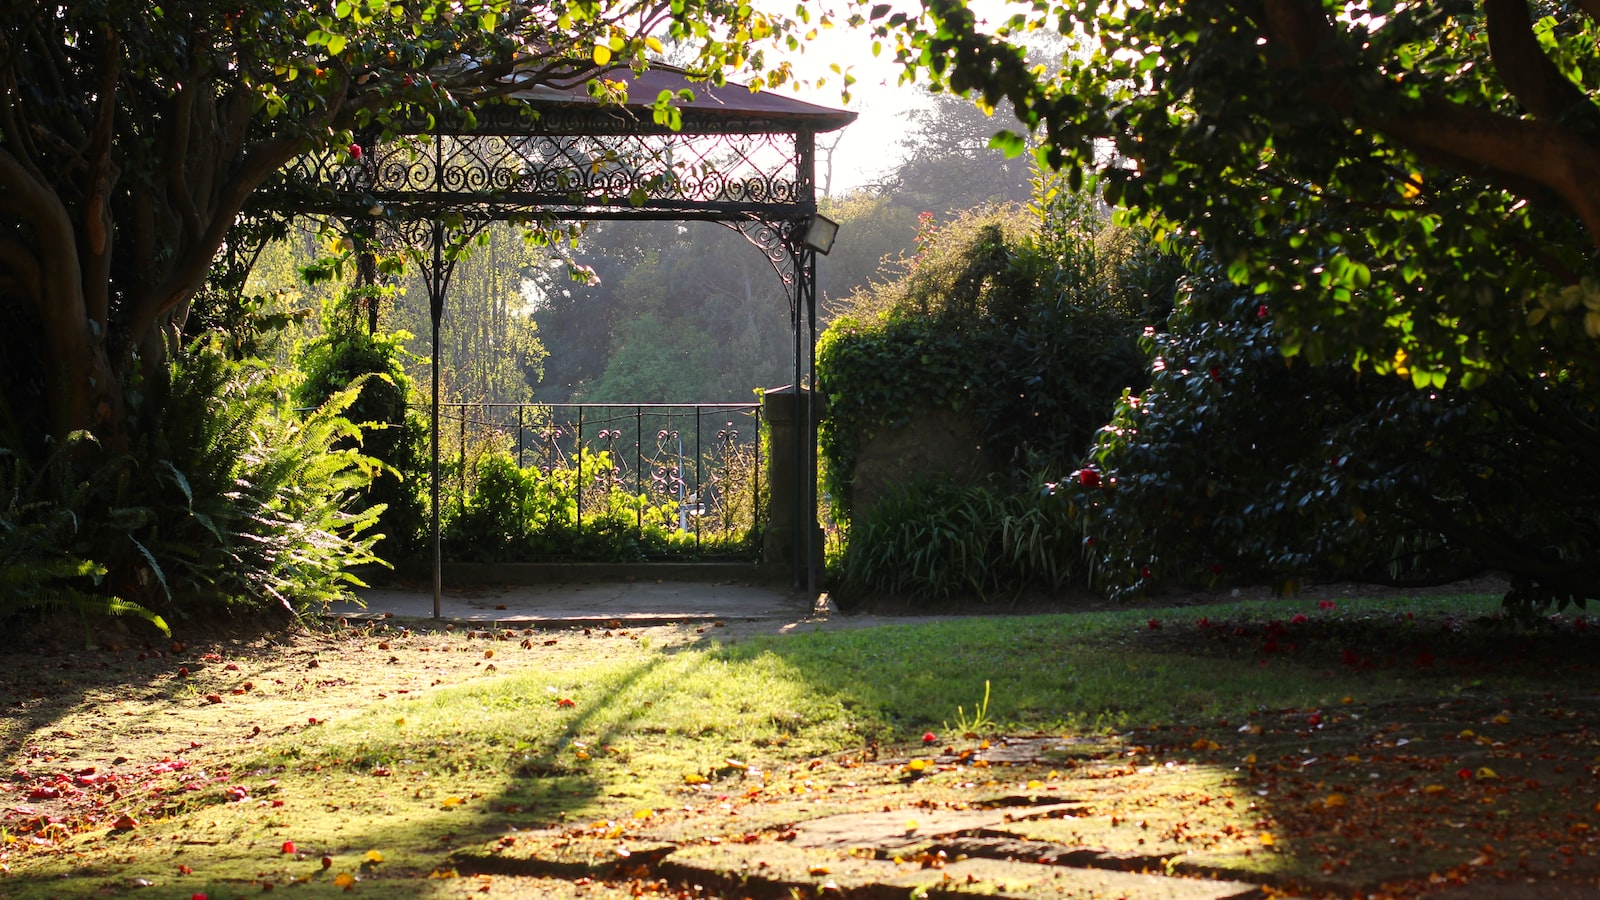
(344, 880)
(288, 846)
(374, 856)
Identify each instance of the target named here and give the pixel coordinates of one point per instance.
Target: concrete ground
(600, 598)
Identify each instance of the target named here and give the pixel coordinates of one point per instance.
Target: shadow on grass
(1329, 711)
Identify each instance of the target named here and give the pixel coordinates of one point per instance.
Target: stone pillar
(792, 491)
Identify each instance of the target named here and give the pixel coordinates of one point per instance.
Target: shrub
(1033, 329)
(1239, 464)
(231, 500)
(519, 514)
(389, 431)
(934, 539)
(40, 571)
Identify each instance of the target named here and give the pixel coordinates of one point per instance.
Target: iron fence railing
(699, 464)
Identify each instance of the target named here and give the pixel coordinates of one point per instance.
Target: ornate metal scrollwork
(624, 175)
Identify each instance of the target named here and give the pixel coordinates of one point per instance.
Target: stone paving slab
(905, 828)
(824, 873)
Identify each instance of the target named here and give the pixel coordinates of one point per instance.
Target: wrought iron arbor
(742, 158)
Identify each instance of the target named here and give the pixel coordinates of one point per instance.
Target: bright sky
(872, 145)
(869, 147)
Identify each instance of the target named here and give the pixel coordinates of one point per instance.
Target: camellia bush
(1238, 464)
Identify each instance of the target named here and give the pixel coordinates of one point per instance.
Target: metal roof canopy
(746, 159)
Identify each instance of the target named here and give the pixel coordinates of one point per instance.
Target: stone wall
(931, 443)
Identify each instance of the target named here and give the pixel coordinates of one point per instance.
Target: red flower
(1326, 604)
(1314, 720)
(288, 846)
(355, 151)
(1144, 573)
(1203, 622)
(1262, 312)
(1155, 625)
(1464, 774)
(1088, 477)
(1298, 619)
(929, 737)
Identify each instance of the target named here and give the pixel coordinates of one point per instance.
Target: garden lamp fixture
(819, 234)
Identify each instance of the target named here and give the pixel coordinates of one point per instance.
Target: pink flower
(1299, 618)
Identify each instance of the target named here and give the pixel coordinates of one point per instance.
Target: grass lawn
(1320, 744)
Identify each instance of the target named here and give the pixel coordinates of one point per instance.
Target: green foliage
(1374, 169)
(935, 540)
(517, 514)
(257, 505)
(40, 571)
(235, 500)
(1034, 334)
(390, 431)
(1238, 464)
(653, 363)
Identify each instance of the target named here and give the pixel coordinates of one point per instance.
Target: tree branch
(1541, 152)
(1533, 79)
(97, 220)
(1512, 151)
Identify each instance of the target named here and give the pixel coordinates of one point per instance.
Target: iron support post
(436, 287)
